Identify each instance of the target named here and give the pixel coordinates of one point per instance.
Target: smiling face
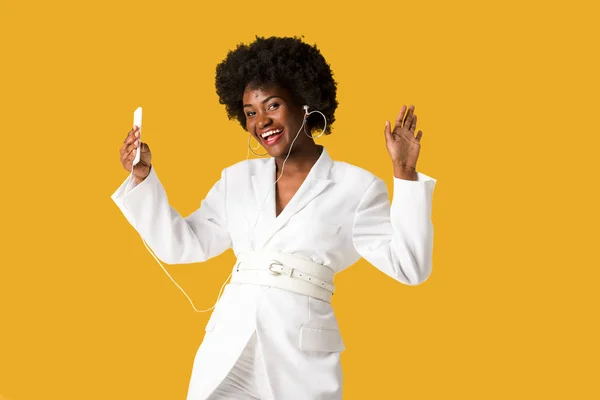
(274, 119)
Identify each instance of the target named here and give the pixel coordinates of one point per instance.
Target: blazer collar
(263, 186)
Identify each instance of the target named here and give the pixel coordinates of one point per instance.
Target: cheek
(249, 127)
(284, 118)
(294, 124)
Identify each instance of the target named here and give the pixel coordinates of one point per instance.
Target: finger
(125, 148)
(135, 135)
(387, 132)
(127, 140)
(126, 162)
(129, 152)
(409, 116)
(133, 146)
(400, 118)
(419, 135)
(413, 124)
(131, 132)
(131, 137)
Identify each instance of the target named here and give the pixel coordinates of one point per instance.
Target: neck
(301, 160)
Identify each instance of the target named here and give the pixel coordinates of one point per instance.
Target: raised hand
(402, 144)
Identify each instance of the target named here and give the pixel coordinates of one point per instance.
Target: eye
(273, 106)
(250, 113)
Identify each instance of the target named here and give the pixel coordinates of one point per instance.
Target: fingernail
(137, 133)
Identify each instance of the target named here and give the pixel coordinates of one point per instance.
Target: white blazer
(340, 214)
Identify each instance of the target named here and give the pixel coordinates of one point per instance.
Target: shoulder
(343, 171)
(357, 180)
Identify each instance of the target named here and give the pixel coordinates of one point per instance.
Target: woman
(293, 220)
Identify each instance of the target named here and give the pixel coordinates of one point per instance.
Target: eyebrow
(264, 101)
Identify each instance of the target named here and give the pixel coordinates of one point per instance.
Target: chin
(279, 149)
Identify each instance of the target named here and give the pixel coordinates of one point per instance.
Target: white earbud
(306, 115)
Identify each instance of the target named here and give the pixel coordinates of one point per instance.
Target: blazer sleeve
(398, 238)
(174, 239)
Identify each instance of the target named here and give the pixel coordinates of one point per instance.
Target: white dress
(339, 214)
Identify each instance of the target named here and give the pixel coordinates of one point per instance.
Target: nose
(263, 121)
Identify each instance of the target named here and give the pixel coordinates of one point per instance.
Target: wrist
(405, 172)
(139, 179)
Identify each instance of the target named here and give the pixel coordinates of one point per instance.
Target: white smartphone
(137, 120)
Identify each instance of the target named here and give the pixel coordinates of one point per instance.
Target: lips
(272, 138)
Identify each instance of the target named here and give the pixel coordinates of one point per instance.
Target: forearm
(398, 240)
(174, 239)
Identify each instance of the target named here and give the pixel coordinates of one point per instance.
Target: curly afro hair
(285, 61)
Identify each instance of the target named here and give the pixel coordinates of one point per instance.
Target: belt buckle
(273, 263)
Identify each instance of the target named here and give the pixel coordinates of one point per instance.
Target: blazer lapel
(259, 200)
(315, 183)
(263, 186)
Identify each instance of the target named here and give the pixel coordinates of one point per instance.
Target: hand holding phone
(135, 155)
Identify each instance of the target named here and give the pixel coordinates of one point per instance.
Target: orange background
(507, 98)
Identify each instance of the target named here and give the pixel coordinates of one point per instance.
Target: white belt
(285, 271)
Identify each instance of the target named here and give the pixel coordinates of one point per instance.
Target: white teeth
(269, 133)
